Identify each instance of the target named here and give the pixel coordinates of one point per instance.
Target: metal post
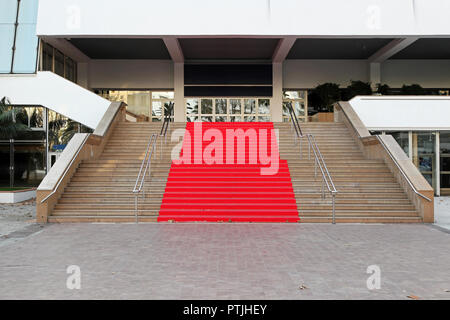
(11, 163)
(333, 204)
(136, 207)
(315, 168)
(323, 188)
(309, 150)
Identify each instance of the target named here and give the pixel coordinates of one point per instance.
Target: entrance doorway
(229, 109)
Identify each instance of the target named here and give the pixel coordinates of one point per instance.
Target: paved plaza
(226, 261)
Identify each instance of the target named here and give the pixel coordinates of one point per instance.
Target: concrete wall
(304, 74)
(309, 73)
(427, 73)
(131, 74)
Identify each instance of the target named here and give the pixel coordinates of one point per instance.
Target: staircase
(368, 191)
(228, 192)
(101, 190)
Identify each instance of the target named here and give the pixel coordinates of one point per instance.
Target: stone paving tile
(227, 261)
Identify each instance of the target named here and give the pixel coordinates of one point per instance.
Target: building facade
(216, 60)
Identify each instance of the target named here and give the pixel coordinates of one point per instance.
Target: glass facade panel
(59, 63)
(235, 105)
(229, 109)
(156, 109)
(192, 106)
(207, 106)
(424, 154)
(23, 58)
(6, 44)
(299, 101)
(402, 138)
(29, 164)
(8, 12)
(249, 106)
(264, 106)
(163, 95)
(26, 48)
(221, 106)
(138, 102)
(444, 150)
(47, 57)
(28, 11)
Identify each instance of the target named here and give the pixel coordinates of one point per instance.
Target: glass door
(444, 141)
(424, 155)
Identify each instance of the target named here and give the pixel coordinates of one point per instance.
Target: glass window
(402, 138)
(235, 106)
(423, 147)
(9, 11)
(163, 95)
(192, 106)
(221, 106)
(249, 106)
(28, 11)
(298, 100)
(138, 102)
(207, 107)
(444, 141)
(263, 106)
(26, 49)
(70, 70)
(59, 63)
(156, 109)
(6, 44)
(47, 57)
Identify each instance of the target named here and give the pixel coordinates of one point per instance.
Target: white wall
(249, 17)
(56, 93)
(309, 73)
(403, 113)
(136, 74)
(427, 73)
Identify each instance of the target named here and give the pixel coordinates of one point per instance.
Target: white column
(276, 104)
(438, 165)
(374, 74)
(178, 86)
(410, 145)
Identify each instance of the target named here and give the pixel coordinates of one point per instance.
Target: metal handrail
(67, 169)
(146, 162)
(401, 170)
(319, 161)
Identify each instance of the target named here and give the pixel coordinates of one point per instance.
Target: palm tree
(9, 127)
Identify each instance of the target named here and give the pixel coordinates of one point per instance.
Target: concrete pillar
(374, 74)
(178, 86)
(276, 104)
(83, 74)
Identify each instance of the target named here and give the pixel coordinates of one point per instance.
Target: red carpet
(220, 181)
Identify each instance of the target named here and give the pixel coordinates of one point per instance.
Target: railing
(401, 170)
(163, 132)
(66, 169)
(319, 161)
(145, 168)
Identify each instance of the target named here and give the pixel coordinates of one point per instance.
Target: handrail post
(323, 188)
(136, 207)
(333, 195)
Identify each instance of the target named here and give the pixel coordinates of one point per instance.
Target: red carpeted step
(212, 189)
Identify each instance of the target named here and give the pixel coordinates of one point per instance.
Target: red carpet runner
(233, 188)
